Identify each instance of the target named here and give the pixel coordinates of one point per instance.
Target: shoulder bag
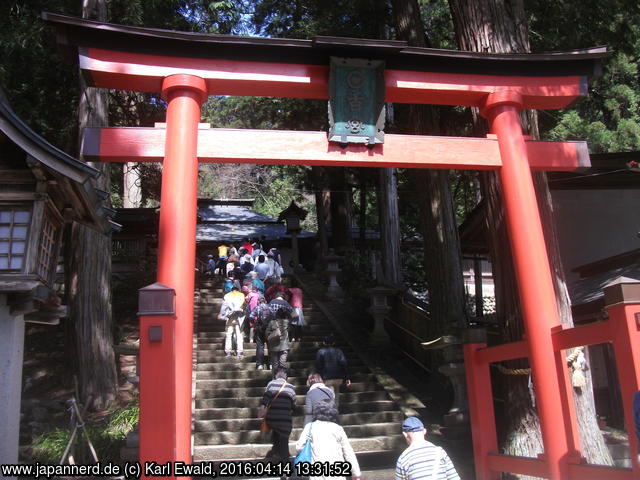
(264, 426)
(304, 455)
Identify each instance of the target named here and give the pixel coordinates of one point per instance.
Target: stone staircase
(227, 394)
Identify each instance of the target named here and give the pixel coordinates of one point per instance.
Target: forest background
(44, 92)
(41, 87)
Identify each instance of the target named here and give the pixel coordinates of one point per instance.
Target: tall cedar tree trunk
(443, 258)
(390, 227)
(323, 205)
(500, 26)
(88, 269)
(362, 212)
(341, 208)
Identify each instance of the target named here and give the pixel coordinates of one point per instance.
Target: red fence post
(481, 411)
(622, 300)
(535, 285)
(568, 403)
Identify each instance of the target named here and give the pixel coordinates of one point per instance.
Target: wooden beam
(522, 465)
(144, 72)
(312, 148)
(47, 316)
(504, 352)
(18, 283)
(590, 334)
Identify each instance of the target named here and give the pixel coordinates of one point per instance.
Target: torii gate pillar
(185, 95)
(535, 283)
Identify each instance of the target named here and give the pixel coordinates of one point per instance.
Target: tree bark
(341, 209)
(131, 191)
(362, 222)
(443, 258)
(88, 269)
(390, 227)
(500, 26)
(323, 206)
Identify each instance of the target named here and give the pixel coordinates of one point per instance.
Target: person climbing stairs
(227, 392)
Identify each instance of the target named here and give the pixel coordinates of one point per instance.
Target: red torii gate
(186, 68)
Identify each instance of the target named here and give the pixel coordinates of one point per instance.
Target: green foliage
(413, 274)
(265, 113)
(438, 23)
(608, 118)
(107, 434)
(280, 188)
(308, 18)
(40, 92)
(49, 447)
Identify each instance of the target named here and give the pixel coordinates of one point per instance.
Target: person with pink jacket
(252, 295)
(297, 299)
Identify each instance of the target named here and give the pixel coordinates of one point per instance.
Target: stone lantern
(379, 309)
(334, 290)
(292, 216)
(457, 418)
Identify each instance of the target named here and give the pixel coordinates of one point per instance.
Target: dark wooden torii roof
(73, 32)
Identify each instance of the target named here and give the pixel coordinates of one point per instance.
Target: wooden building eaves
(74, 176)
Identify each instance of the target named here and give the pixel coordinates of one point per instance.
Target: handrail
(420, 307)
(412, 301)
(201, 266)
(421, 340)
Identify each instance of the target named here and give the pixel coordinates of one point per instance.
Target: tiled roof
(233, 232)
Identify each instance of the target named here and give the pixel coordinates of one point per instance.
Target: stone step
(212, 357)
(250, 372)
(382, 406)
(229, 389)
(308, 337)
(297, 347)
(306, 351)
(259, 377)
(212, 389)
(255, 436)
(218, 356)
(253, 422)
(210, 324)
(355, 366)
(207, 398)
(382, 445)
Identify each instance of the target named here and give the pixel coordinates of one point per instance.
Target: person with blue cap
(422, 460)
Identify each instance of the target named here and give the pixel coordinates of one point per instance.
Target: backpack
(275, 333)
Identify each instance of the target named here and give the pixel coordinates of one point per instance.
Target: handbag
(264, 426)
(304, 455)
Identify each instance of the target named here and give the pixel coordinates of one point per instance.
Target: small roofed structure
(42, 189)
(231, 220)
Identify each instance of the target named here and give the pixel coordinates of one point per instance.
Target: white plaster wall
(595, 224)
(11, 353)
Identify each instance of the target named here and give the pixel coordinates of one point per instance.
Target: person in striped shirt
(422, 460)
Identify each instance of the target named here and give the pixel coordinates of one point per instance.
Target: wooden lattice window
(14, 229)
(47, 253)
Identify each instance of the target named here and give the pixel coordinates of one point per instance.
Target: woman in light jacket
(329, 442)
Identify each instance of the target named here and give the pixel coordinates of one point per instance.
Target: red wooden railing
(621, 330)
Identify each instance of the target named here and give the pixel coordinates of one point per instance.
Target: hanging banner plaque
(356, 101)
